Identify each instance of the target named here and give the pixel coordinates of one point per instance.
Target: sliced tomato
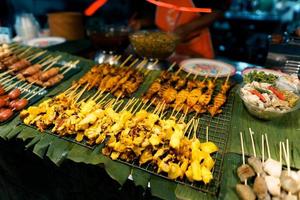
(279, 94)
(260, 96)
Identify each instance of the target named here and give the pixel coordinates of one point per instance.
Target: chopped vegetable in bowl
(266, 101)
(260, 76)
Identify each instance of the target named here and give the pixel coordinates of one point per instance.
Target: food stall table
(57, 149)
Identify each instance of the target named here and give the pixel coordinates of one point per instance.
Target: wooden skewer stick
(43, 59)
(206, 76)
(286, 157)
(6, 72)
(268, 147)
(171, 66)
(36, 93)
(192, 128)
(206, 133)
(12, 86)
(177, 72)
(216, 76)
(263, 148)
(36, 56)
(149, 105)
(120, 104)
(81, 92)
(126, 60)
(71, 67)
(138, 107)
(24, 52)
(227, 78)
(102, 99)
(252, 141)
(242, 145)
(133, 62)
(6, 78)
(280, 153)
(243, 151)
(52, 62)
(141, 65)
(188, 74)
(18, 50)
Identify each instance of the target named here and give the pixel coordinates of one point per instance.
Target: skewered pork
(245, 172)
(245, 192)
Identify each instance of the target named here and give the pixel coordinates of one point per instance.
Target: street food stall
(172, 125)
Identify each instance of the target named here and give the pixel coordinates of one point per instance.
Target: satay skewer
(252, 141)
(36, 56)
(171, 66)
(126, 60)
(180, 68)
(243, 151)
(133, 62)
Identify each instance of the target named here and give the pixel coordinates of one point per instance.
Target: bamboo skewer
(171, 66)
(252, 141)
(243, 151)
(126, 60)
(263, 148)
(133, 63)
(268, 147)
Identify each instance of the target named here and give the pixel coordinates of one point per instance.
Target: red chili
(279, 94)
(257, 93)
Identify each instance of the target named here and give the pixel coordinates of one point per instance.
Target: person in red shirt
(192, 28)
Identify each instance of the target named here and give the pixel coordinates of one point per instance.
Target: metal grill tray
(218, 133)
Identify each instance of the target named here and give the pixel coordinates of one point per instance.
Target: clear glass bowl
(153, 44)
(262, 113)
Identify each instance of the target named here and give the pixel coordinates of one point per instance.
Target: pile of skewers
(120, 81)
(129, 131)
(13, 97)
(41, 73)
(271, 180)
(187, 95)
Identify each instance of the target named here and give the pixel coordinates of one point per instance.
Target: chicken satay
(154, 88)
(260, 188)
(181, 97)
(245, 192)
(112, 82)
(54, 80)
(193, 97)
(10, 60)
(32, 70)
(245, 172)
(168, 95)
(2, 66)
(21, 64)
(49, 73)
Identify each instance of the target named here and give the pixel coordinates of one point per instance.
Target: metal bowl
(153, 44)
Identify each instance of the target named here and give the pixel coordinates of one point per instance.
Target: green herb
(262, 90)
(260, 76)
